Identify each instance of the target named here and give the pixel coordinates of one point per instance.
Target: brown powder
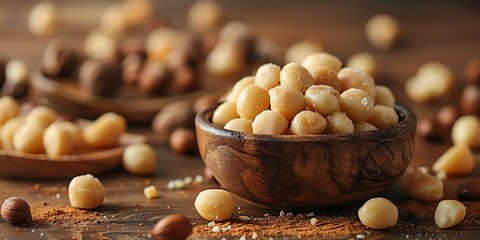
(413, 216)
(64, 217)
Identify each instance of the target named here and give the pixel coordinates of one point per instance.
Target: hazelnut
(16, 211)
(431, 129)
(59, 59)
(154, 77)
(470, 99)
(183, 140)
(100, 78)
(447, 115)
(472, 71)
(174, 114)
(2, 71)
(171, 227)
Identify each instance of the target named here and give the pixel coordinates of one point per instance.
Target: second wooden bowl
(287, 171)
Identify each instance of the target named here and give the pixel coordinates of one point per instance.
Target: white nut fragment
(140, 158)
(86, 192)
(449, 213)
(43, 18)
(466, 130)
(382, 31)
(422, 186)
(378, 213)
(150, 192)
(458, 160)
(215, 204)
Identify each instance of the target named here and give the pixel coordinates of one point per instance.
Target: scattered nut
(378, 213)
(150, 192)
(43, 18)
(458, 160)
(205, 16)
(214, 204)
(449, 213)
(422, 186)
(171, 227)
(382, 31)
(466, 131)
(140, 159)
(16, 211)
(431, 129)
(173, 115)
(85, 192)
(433, 81)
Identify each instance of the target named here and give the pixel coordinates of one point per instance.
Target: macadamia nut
(382, 31)
(269, 122)
(323, 75)
(57, 140)
(298, 51)
(357, 104)
(251, 101)
(268, 76)
(238, 87)
(314, 60)
(226, 59)
(365, 62)
(224, 113)
(466, 130)
(85, 192)
(9, 109)
(105, 131)
(458, 160)
(205, 16)
(294, 75)
(17, 71)
(378, 213)
(29, 138)
(43, 116)
(160, 42)
(354, 78)
(384, 96)
(8, 130)
(422, 186)
(363, 127)
(215, 204)
(43, 19)
(100, 45)
(339, 123)
(433, 80)
(323, 99)
(286, 100)
(140, 159)
(150, 192)
(449, 213)
(308, 123)
(383, 117)
(240, 125)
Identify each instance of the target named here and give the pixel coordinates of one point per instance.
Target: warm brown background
(446, 31)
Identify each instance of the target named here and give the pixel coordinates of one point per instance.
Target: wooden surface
(446, 31)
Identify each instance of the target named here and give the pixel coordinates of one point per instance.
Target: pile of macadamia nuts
(316, 97)
(42, 131)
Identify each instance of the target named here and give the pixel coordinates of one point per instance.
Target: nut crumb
(313, 221)
(216, 229)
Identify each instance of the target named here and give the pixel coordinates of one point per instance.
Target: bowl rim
(407, 118)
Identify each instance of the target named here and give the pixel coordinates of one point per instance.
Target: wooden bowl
(38, 166)
(65, 96)
(287, 171)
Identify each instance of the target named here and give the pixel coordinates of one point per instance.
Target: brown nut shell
(171, 227)
(16, 211)
(59, 59)
(100, 78)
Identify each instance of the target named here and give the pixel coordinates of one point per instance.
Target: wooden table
(446, 31)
